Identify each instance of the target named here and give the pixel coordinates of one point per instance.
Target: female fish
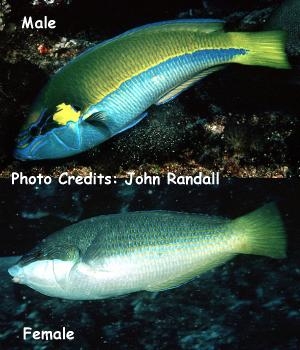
(111, 255)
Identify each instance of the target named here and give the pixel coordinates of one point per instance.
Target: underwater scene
(149, 175)
(248, 299)
(191, 86)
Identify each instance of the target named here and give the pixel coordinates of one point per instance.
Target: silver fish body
(112, 255)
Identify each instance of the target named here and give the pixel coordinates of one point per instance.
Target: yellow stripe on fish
(138, 52)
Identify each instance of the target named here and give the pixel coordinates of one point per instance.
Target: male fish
(111, 255)
(108, 88)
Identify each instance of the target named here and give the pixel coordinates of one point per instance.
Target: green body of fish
(111, 255)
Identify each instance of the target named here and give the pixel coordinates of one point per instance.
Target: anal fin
(169, 96)
(179, 279)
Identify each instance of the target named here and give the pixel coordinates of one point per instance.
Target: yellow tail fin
(261, 232)
(263, 49)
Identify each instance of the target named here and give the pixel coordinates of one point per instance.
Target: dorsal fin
(204, 25)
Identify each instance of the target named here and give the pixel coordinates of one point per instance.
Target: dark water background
(249, 303)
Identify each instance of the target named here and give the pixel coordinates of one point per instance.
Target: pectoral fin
(99, 120)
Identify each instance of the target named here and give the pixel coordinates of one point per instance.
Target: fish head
(57, 130)
(45, 269)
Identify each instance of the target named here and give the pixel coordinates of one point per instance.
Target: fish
(117, 254)
(109, 88)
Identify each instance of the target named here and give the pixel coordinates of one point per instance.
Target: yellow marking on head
(65, 113)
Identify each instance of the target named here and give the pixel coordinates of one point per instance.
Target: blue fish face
(58, 142)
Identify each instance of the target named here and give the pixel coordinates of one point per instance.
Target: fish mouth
(59, 143)
(29, 152)
(23, 154)
(19, 154)
(16, 273)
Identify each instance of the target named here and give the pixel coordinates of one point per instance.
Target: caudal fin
(261, 232)
(262, 49)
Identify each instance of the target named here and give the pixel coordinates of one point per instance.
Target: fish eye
(34, 131)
